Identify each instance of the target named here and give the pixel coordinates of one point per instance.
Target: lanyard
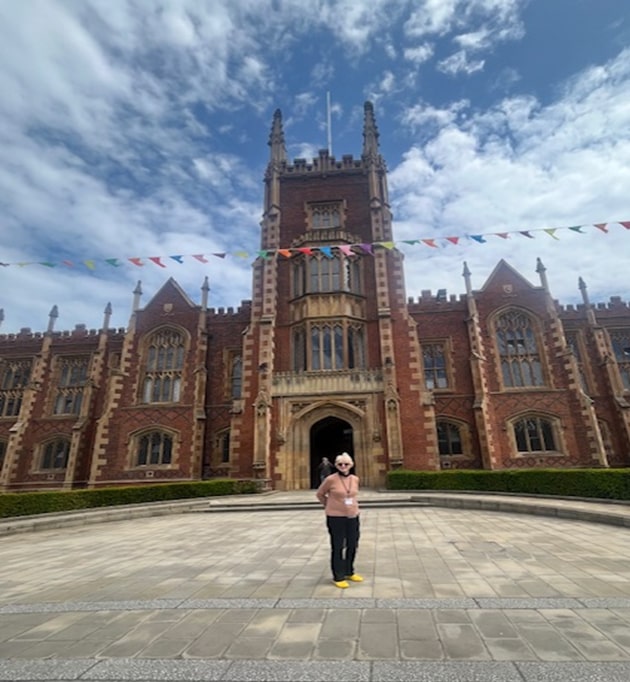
(343, 483)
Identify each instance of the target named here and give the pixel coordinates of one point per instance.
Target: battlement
(322, 164)
(441, 300)
(615, 306)
(79, 332)
(244, 308)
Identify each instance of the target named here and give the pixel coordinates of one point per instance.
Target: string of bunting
(346, 249)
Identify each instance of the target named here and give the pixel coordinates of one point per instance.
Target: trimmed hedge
(25, 504)
(609, 484)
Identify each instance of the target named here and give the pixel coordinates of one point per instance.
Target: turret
(52, 317)
(137, 292)
(107, 315)
(466, 276)
(370, 132)
(276, 139)
(590, 314)
(542, 273)
(205, 288)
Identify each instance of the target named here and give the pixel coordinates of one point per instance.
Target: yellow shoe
(341, 583)
(356, 578)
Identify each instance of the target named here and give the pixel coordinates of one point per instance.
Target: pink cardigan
(334, 491)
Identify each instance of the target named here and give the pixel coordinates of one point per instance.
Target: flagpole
(328, 123)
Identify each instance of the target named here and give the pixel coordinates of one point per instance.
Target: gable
(505, 279)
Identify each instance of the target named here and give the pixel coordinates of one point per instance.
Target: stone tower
(331, 352)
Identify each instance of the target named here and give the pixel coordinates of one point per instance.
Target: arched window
(325, 215)
(3, 452)
(518, 350)
(223, 442)
(620, 339)
(236, 378)
(319, 273)
(330, 345)
(55, 454)
(535, 434)
(14, 378)
(434, 361)
(450, 441)
(154, 448)
(72, 380)
(163, 367)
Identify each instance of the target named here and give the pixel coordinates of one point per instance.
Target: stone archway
(327, 428)
(329, 437)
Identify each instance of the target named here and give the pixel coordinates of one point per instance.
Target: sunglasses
(343, 464)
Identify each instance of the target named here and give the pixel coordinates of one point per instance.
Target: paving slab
(458, 594)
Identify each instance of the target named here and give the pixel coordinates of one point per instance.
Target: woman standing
(338, 493)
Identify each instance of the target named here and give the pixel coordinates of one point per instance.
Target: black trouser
(344, 534)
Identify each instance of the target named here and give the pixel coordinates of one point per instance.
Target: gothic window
(573, 342)
(236, 377)
(154, 448)
(14, 378)
(434, 360)
(55, 454)
(604, 431)
(329, 345)
(325, 216)
(535, 434)
(620, 339)
(163, 367)
(72, 378)
(323, 274)
(518, 350)
(450, 440)
(299, 350)
(3, 452)
(224, 447)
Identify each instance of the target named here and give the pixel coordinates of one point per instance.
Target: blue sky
(139, 128)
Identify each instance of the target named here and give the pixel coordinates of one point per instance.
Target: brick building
(329, 355)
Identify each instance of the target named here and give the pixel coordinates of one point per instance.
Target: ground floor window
(535, 434)
(450, 440)
(55, 454)
(154, 448)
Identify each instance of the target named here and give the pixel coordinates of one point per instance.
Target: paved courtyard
(454, 595)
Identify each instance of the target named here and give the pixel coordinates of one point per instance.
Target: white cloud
(460, 63)
(420, 54)
(522, 166)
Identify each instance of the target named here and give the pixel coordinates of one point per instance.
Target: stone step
(218, 507)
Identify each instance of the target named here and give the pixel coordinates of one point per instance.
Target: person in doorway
(338, 493)
(325, 469)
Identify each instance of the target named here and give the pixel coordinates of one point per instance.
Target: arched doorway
(329, 437)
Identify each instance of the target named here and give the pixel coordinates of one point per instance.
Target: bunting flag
(327, 250)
